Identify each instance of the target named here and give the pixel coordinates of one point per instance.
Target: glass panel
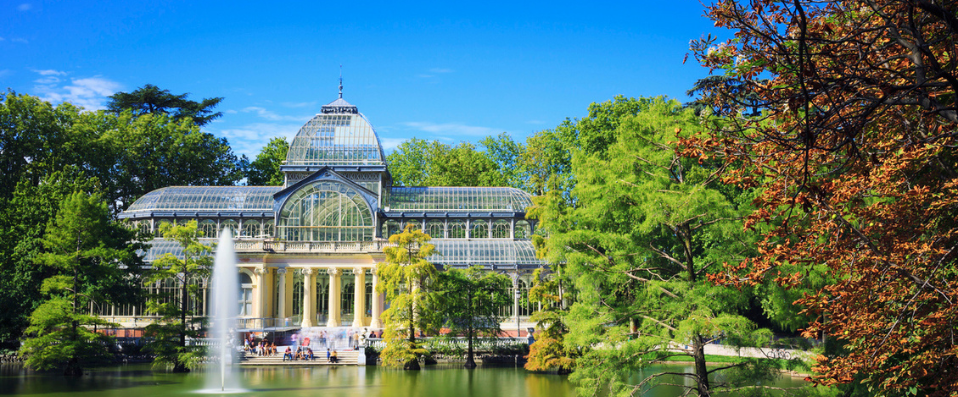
(435, 229)
(348, 297)
(458, 199)
(501, 229)
(523, 230)
(326, 211)
(268, 228)
(457, 229)
(322, 296)
(480, 229)
(336, 138)
(232, 224)
(250, 228)
(207, 198)
(208, 227)
(297, 293)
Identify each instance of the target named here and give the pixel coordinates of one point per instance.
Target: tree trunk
(412, 365)
(470, 359)
(179, 366)
(701, 372)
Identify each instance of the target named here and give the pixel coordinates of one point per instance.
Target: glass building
(308, 249)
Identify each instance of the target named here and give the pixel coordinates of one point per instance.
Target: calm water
(140, 381)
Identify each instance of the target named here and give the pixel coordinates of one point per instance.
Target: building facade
(307, 250)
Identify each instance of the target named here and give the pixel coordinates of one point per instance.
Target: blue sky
(451, 71)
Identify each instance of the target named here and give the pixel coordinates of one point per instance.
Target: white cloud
(89, 93)
(19, 40)
(270, 115)
(440, 70)
(390, 144)
(5, 72)
(452, 128)
(50, 72)
(249, 139)
(24, 7)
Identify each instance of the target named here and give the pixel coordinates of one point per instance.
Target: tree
(507, 156)
(86, 252)
(177, 319)
(407, 278)
(855, 156)
(549, 351)
(422, 163)
(264, 170)
(642, 231)
(470, 302)
(153, 151)
(150, 99)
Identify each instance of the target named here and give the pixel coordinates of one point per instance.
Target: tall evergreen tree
(150, 99)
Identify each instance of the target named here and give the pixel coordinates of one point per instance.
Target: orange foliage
(856, 153)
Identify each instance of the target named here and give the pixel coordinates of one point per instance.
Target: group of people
(306, 353)
(262, 348)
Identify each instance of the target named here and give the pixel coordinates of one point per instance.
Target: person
(356, 340)
(334, 358)
(246, 345)
(288, 354)
(299, 353)
(309, 353)
(327, 355)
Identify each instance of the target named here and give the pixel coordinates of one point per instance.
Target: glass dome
(339, 135)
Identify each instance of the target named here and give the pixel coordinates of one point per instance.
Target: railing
(310, 246)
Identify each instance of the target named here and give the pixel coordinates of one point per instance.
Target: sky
(448, 71)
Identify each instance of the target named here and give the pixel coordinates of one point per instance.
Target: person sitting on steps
(288, 354)
(334, 358)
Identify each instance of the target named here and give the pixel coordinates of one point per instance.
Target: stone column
(359, 310)
(261, 309)
(515, 297)
(334, 297)
(309, 286)
(377, 304)
(281, 305)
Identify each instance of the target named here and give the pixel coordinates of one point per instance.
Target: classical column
(516, 294)
(309, 286)
(262, 292)
(281, 304)
(377, 304)
(334, 298)
(359, 310)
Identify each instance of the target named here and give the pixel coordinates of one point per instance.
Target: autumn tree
(549, 351)
(92, 259)
(642, 230)
(854, 153)
(177, 312)
(407, 278)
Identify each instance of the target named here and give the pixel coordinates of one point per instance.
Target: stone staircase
(349, 357)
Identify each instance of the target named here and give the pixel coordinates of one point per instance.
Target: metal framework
(326, 211)
(490, 253)
(206, 198)
(339, 135)
(458, 199)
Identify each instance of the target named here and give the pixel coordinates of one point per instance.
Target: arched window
(326, 211)
(208, 228)
(322, 297)
(268, 228)
(416, 224)
(500, 229)
(246, 295)
(435, 229)
(523, 230)
(480, 229)
(143, 227)
(457, 229)
(390, 228)
(232, 224)
(250, 228)
(298, 280)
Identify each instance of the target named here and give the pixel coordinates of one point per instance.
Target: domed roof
(338, 135)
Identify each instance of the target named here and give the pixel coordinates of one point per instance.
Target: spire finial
(340, 81)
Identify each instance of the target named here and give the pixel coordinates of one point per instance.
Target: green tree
(470, 302)
(86, 251)
(640, 234)
(176, 315)
(407, 279)
(150, 99)
(264, 170)
(417, 162)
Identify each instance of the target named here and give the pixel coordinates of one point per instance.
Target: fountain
(225, 309)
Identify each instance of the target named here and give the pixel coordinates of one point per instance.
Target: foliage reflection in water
(443, 380)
